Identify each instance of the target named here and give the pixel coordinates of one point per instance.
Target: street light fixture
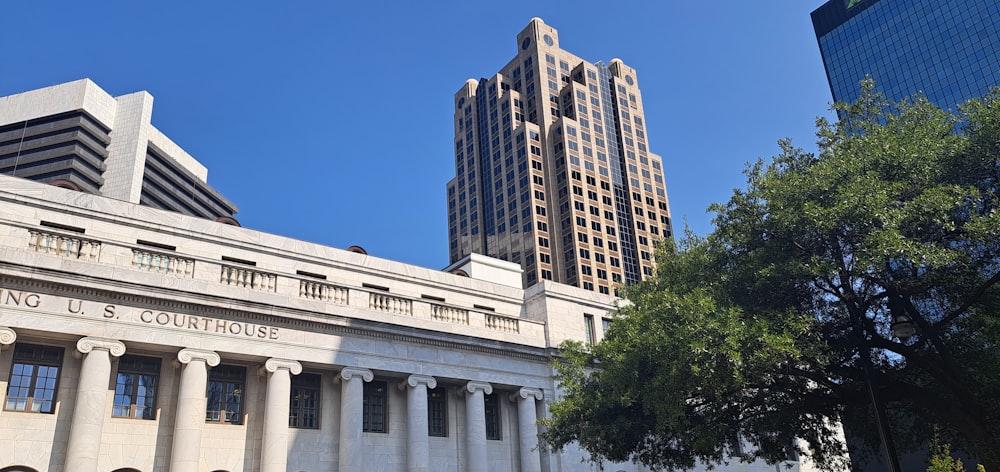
(903, 327)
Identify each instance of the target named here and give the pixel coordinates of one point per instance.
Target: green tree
(941, 460)
(755, 331)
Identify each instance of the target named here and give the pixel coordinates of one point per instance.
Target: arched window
(18, 468)
(126, 470)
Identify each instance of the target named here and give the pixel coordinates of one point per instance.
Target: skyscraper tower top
(553, 169)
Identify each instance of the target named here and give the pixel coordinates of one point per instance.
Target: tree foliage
(941, 460)
(756, 330)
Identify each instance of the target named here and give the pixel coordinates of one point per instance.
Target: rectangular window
(375, 408)
(34, 378)
(588, 325)
(303, 411)
(225, 394)
(492, 407)
(437, 413)
(135, 387)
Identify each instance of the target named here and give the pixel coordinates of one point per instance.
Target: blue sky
(331, 121)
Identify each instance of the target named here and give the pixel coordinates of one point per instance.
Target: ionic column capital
(7, 336)
(348, 373)
(416, 379)
(186, 355)
(472, 386)
(88, 344)
(274, 363)
(526, 392)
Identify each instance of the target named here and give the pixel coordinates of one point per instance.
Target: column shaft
(185, 452)
(475, 426)
(352, 454)
(274, 447)
(417, 444)
(527, 429)
(87, 423)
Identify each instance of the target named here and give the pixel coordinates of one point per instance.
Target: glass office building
(948, 51)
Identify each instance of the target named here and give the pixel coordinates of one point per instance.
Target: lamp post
(902, 327)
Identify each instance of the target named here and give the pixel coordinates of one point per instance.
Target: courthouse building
(141, 337)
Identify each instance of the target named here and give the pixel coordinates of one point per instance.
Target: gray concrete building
(77, 136)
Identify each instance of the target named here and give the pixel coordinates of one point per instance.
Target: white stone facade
(103, 280)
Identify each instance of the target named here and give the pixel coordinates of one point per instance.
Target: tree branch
(979, 292)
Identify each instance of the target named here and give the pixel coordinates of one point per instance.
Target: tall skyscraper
(553, 169)
(949, 51)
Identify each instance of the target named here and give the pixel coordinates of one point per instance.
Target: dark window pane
(437, 412)
(375, 407)
(492, 407)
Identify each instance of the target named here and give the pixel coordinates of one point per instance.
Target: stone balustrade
(390, 304)
(449, 314)
(249, 278)
(162, 263)
(504, 324)
(73, 247)
(381, 302)
(323, 292)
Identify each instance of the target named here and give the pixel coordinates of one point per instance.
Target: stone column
(527, 428)
(542, 411)
(475, 426)
(352, 454)
(91, 402)
(7, 336)
(417, 445)
(274, 447)
(185, 452)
